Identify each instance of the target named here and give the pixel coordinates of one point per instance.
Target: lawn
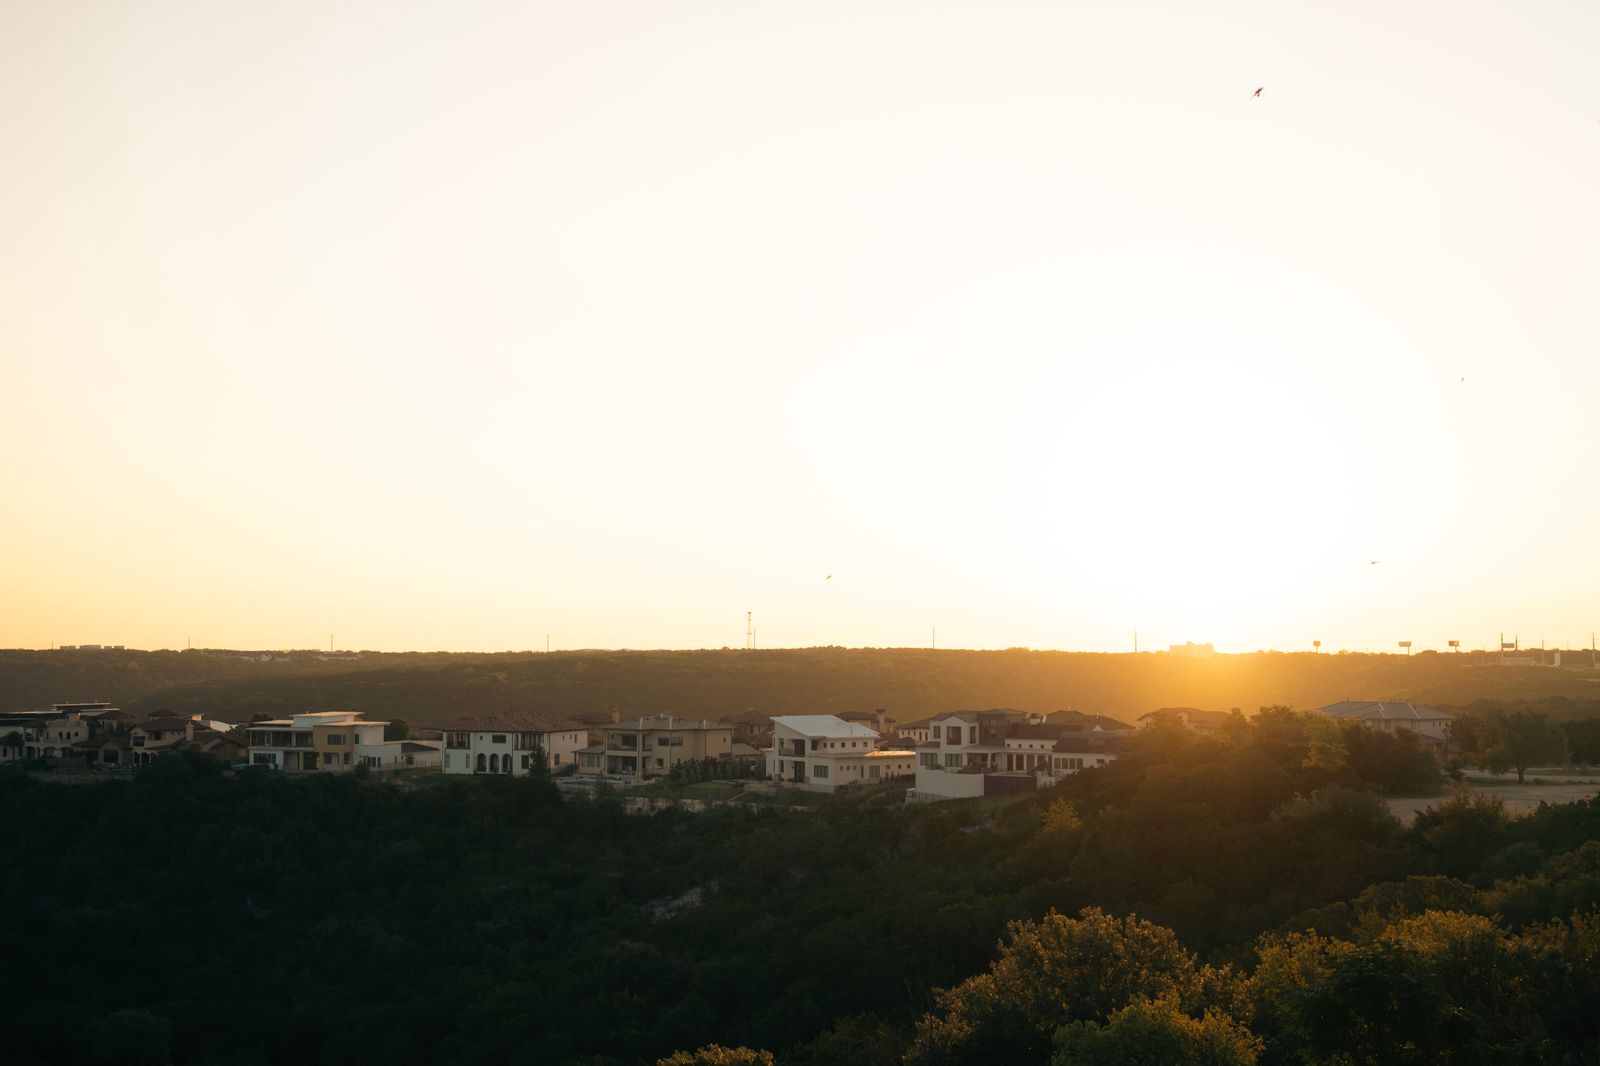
(698, 790)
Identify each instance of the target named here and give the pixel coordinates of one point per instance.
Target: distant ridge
(911, 683)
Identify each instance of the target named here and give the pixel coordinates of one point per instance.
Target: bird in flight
(1258, 91)
(828, 578)
(1375, 562)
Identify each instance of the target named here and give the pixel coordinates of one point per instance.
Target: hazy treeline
(439, 689)
(190, 916)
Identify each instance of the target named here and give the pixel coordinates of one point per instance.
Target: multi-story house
(984, 753)
(823, 753)
(1191, 718)
(650, 747)
(322, 740)
(60, 731)
(513, 743)
(1079, 722)
(1431, 725)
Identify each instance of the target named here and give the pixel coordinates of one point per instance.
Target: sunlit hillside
(438, 689)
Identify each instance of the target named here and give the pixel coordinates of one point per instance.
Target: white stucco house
(509, 743)
(824, 753)
(986, 753)
(324, 741)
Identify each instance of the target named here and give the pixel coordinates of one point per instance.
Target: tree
(1437, 987)
(1517, 740)
(717, 1055)
(1053, 973)
(1147, 1031)
(1395, 762)
(128, 1038)
(397, 729)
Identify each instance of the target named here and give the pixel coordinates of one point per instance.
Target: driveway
(1544, 786)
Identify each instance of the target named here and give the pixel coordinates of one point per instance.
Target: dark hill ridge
(440, 688)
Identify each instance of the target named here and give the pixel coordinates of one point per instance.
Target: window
(952, 760)
(457, 740)
(819, 771)
(483, 762)
(262, 758)
(954, 735)
(494, 763)
(873, 772)
(335, 738)
(505, 765)
(935, 732)
(497, 738)
(930, 760)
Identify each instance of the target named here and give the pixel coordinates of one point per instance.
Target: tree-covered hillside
(438, 689)
(188, 915)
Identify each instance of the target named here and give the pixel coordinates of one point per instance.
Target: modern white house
(986, 753)
(328, 741)
(824, 753)
(1389, 716)
(510, 743)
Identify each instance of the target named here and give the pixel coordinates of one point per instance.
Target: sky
(468, 326)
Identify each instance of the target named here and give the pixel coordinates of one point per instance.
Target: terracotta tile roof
(520, 722)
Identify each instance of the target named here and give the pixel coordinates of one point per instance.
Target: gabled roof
(165, 724)
(823, 725)
(1381, 711)
(1089, 744)
(1036, 732)
(1193, 714)
(1077, 721)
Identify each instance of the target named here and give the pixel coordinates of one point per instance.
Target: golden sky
(453, 325)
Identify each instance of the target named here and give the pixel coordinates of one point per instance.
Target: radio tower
(749, 631)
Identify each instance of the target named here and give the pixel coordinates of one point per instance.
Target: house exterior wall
(43, 734)
(944, 784)
(326, 741)
(652, 748)
(507, 752)
(794, 756)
